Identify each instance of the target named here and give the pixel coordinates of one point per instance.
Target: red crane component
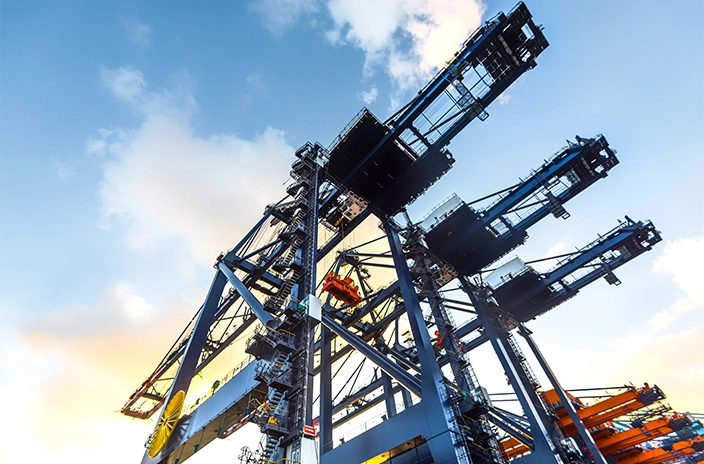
(341, 288)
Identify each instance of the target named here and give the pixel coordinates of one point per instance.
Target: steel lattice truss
(381, 332)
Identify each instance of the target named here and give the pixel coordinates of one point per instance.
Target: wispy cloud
(504, 98)
(126, 83)
(62, 169)
(162, 181)
(369, 96)
(278, 16)
(137, 32)
(255, 81)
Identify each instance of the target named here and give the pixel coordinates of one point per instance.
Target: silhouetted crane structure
(326, 348)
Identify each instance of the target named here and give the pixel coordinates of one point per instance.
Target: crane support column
(191, 356)
(581, 429)
(543, 449)
(326, 396)
(439, 417)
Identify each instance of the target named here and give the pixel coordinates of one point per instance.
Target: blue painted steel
(266, 318)
(388, 395)
(582, 164)
(326, 397)
(468, 328)
(367, 332)
(464, 58)
(510, 426)
(489, 35)
(223, 408)
(566, 403)
(630, 239)
(439, 415)
(512, 52)
(400, 375)
(543, 448)
(404, 427)
(595, 152)
(307, 289)
(628, 233)
(191, 356)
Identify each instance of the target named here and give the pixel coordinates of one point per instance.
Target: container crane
(469, 240)
(301, 330)
(373, 167)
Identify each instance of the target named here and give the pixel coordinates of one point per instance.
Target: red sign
(309, 430)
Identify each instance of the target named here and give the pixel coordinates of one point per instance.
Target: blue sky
(138, 140)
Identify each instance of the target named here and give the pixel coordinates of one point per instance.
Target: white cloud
(120, 309)
(126, 83)
(683, 261)
(162, 181)
(280, 15)
(504, 98)
(99, 146)
(137, 32)
(134, 306)
(556, 250)
(369, 96)
(409, 39)
(62, 169)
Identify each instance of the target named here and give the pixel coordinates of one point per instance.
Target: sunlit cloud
(408, 39)
(74, 367)
(683, 261)
(638, 357)
(657, 350)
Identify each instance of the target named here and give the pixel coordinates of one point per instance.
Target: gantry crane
(646, 424)
(326, 349)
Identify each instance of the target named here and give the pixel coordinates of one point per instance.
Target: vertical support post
(543, 447)
(405, 394)
(388, 395)
(429, 368)
(576, 420)
(325, 418)
(311, 264)
(407, 398)
(439, 416)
